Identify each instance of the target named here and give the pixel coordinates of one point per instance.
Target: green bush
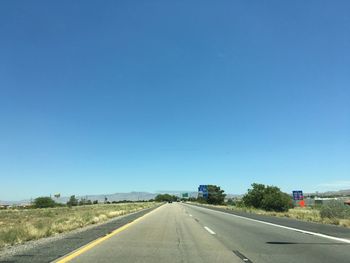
(44, 202)
(335, 209)
(275, 200)
(269, 198)
(73, 201)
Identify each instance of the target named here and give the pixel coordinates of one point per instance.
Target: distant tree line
(47, 202)
(166, 198)
(216, 196)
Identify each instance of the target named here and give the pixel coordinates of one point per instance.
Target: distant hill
(333, 193)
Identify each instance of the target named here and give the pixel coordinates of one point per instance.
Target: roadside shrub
(275, 200)
(240, 204)
(44, 202)
(335, 209)
(269, 198)
(73, 201)
(230, 201)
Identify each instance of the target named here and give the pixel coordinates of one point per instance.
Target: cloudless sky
(118, 96)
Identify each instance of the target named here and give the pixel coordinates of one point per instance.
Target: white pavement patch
(209, 230)
(344, 240)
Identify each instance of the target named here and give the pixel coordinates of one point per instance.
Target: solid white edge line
(284, 227)
(209, 230)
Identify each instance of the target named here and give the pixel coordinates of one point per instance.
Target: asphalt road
(185, 233)
(262, 243)
(168, 234)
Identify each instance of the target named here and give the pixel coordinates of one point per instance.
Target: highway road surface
(179, 232)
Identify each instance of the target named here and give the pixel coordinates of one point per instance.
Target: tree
(254, 196)
(44, 202)
(95, 202)
(269, 198)
(73, 201)
(216, 196)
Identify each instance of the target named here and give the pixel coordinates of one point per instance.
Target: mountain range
(139, 196)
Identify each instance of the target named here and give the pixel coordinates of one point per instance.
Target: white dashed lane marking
(209, 230)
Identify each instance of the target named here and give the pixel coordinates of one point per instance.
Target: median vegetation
(20, 225)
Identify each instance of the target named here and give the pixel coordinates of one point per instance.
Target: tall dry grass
(301, 213)
(18, 226)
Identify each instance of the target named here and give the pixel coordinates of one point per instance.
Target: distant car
(170, 202)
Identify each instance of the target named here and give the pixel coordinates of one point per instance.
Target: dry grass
(18, 226)
(305, 214)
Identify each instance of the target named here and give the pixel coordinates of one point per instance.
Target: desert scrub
(324, 215)
(335, 209)
(18, 226)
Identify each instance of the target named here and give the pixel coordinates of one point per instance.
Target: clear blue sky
(118, 96)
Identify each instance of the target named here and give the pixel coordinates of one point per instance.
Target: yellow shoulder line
(94, 243)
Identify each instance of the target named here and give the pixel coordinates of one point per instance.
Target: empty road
(184, 233)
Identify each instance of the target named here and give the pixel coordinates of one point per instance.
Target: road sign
(298, 195)
(203, 191)
(185, 195)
